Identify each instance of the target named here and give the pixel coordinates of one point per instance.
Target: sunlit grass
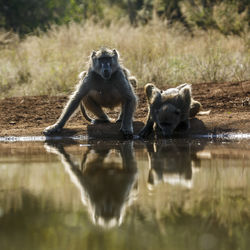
(50, 62)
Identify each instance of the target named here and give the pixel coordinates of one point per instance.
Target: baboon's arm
(148, 128)
(128, 107)
(72, 104)
(76, 175)
(74, 101)
(128, 158)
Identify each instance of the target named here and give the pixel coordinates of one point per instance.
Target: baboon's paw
(53, 129)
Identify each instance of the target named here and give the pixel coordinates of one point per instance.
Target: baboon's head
(164, 114)
(105, 62)
(167, 117)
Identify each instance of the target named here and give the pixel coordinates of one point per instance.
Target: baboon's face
(105, 67)
(105, 63)
(167, 118)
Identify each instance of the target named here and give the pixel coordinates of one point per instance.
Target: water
(170, 194)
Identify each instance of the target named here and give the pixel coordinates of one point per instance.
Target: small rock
(246, 101)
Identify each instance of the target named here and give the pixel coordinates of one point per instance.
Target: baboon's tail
(207, 112)
(85, 115)
(195, 109)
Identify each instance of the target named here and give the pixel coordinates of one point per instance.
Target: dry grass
(50, 62)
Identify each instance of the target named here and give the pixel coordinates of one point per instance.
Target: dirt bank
(229, 104)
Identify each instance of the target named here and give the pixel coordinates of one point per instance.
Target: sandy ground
(229, 104)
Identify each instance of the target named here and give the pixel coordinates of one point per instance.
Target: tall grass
(49, 63)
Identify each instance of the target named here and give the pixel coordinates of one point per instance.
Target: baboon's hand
(127, 133)
(53, 129)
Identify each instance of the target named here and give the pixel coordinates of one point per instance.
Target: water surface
(170, 194)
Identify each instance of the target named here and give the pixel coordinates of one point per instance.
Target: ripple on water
(228, 136)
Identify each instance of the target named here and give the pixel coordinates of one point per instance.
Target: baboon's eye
(105, 59)
(105, 65)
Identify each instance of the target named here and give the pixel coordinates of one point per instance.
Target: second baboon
(106, 84)
(173, 162)
(169, 109)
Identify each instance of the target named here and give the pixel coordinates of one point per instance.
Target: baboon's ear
(93, 54)
(155, 100)
(148, 88)
(186, 90)
(153, 94)
(115, 52)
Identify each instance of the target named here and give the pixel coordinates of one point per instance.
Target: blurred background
(25, 16)
(45, 44)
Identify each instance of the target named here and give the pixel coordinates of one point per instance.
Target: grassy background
(49, 62)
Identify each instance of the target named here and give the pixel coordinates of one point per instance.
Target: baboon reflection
(172, 163)
(106, 178)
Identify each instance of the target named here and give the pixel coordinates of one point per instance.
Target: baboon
(132, 80)
(169, 109)
(174, 163)
(106, 179)
(106, 84)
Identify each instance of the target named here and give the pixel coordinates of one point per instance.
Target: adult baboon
(169, 109)
(106, 84)
(106, 178)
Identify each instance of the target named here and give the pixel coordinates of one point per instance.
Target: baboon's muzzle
(106, 74)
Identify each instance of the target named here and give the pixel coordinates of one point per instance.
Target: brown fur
(106, 179)
(169, 109)
(106, 83)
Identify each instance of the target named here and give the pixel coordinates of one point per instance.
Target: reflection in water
(172, 163)
(40, 207)
(106, 180)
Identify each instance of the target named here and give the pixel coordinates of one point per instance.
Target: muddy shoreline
(228, 102)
